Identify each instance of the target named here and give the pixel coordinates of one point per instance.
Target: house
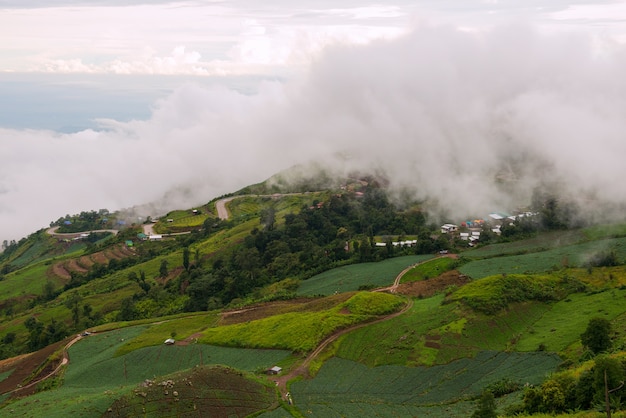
(274, 370)
(448, 228)
(155, 237)
(464, 236)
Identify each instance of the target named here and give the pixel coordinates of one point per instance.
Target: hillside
(362, 306)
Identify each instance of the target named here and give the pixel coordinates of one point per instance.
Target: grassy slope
(349, 278)
(344, 388)
(303, 331)
(431, 333)
(96, 377)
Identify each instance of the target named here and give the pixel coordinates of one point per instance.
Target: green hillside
(310, 282)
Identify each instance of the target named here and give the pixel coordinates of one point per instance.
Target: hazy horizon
(442, 96)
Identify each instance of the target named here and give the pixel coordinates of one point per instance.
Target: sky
(111, 104)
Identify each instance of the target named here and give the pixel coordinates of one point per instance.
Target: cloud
(473, 121)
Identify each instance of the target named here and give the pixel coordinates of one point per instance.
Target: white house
(448, 228)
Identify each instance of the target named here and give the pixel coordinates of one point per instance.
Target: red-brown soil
(99, 258)
(24, 366)
(85, 262)
(430, 287)
(264, 310)
(59, 270)
(62, 269)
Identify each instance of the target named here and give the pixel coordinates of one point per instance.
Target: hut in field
(274, 370)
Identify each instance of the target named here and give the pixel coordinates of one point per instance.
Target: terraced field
(96, 378)
(63, 269)
(344, 388)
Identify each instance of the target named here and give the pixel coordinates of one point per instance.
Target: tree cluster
(319, 237)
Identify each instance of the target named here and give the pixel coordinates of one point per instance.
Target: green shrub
(491, 294)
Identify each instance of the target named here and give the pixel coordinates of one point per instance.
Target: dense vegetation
(529, 321)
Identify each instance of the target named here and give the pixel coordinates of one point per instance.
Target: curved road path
(303, 369)
(53, 231)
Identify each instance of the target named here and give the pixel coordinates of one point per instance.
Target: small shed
(169, 341)
(448, 228)
(274, 370)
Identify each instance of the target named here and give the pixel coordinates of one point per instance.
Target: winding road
(303, 369)
(53, 231)
(220, 205)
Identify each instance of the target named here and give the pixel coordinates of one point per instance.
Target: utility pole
(607, 404)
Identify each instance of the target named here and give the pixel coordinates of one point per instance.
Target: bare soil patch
(85, 262)
(72, 265)
(99, 258)
(430, 287)
(264, 310)
(58, 270)
(23, 368)
(204, 391)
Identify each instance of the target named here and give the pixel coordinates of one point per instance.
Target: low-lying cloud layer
(443, 112)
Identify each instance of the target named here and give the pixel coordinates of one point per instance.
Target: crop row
(537, 262)
(347, 381)
(350, 278)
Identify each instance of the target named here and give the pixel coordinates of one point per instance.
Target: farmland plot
(572, 255)
(350, 278)
(563, 323)
(203, 391)
(95, 378)
(345, 388)
(540, 243)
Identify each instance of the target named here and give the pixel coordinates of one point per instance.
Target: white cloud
(218, 37)
(442, 111)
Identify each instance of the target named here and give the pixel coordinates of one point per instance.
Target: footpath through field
(302, 370)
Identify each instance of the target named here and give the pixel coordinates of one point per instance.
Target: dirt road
(53, 231)
(220, 205)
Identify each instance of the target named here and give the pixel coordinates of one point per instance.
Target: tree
(163, 269)
(486, 406)
(597, 336)
(127, 311)
(608, 380)
(72, 303)
(186, 259)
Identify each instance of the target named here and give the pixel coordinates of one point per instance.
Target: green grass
(399, 340)
(605, 231)
(350, 278)
(95, 377)
(543, 261)
(541, 242)
(429, 269)
(563, 323)
(345, 388)
(301, 331)
(226, 238)
(494, 293)
(27, 281)
(159, 332)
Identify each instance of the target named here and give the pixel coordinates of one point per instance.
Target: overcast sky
(117, 103)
